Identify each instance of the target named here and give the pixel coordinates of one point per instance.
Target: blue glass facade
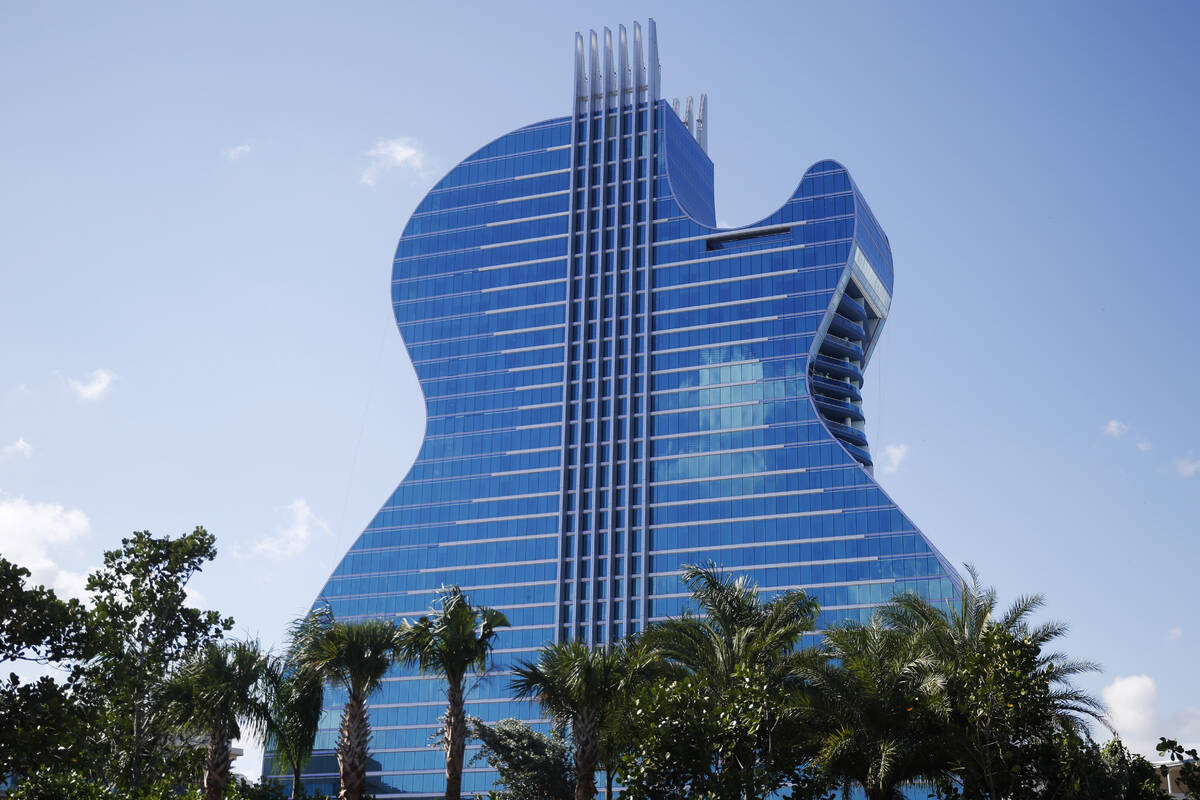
(615, 387)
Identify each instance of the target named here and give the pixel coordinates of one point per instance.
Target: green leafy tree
(531, 765)
(688, 736)
(295, 699)
(878, 705)
(355, 657)
(742, 653)
(1189, 765)
(582, 687)
(216, 694)
(1077, 768)
(1005, 696)
(43, 723)
(451, 642)
(141, 628)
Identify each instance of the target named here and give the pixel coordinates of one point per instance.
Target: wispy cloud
(891, 458)
(1144, 446)
(1174, 634)
(95, 385)
(389, 154)
(234, 153)
(1186, 466)
(18, 448)
(1132, 709)
(1115, 428)
(292, 539)
(26, 532)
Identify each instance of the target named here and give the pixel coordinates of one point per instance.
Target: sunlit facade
(616, 387)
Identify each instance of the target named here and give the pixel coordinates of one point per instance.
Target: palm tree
(456, 639)
(954, 634)
(582, 687)
(735, 627)
(216, 694)
(737, 634)
(996, 712)
(353, 656)
(876, 701)
(295, 701)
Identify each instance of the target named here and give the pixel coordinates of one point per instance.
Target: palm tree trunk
(587, 744)
(456, 738)
(353, 740)
(296, 769)
(216, 766)
(608, 783)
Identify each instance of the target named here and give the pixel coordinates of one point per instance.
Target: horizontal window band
(708, 432)
(706, 408)
(793, 515)
(548, 282)
(732, 498)
(528, 176)
(514, 497)
(720, 256)
(500, 222)
(707, 345)
(657, 460)
(512, 331)
(531, 306)
(520, 241)
(401, 548)
(704, 387)
(727, 303)
(523, 471)
(654, 483)
(732, 233)
(532, 196)
(730, 279)
(706, 326)
(504, 519)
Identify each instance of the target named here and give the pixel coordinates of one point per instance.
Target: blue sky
(200, 205)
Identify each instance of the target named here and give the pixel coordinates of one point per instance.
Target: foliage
(353, 656)
(531, 765)
(737, 731)
(295, 699)
(41, 721)
(1006, 699)
(583, 687)
(141, 628)
(456, 639)
(1189, 760)
(878, 702)
(35, 625)
(215, 694)
(690, 741)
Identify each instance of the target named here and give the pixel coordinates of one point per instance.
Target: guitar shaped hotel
(616, 387)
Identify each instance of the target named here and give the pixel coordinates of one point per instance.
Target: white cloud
(234, 153)
(1132, 710)
(18, 448)
(889, 460)
(1130, 700)
(1174, 634)
(96, 385)
(293, 539)
(1115, 428)
(1186, 466)
(1144, 446)
(390, 154)
(26, 531)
